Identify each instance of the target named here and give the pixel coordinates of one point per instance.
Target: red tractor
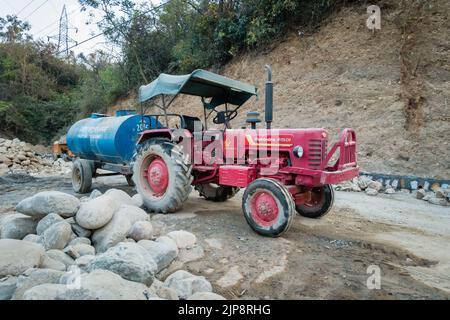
(284, 172)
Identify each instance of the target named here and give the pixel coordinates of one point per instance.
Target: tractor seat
(189, 123)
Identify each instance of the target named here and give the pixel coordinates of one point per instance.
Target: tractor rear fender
(171, 134)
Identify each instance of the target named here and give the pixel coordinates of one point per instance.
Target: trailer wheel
(81, 176)
(322, 201)
(268, 207)
(216, 193)
(130, 181)
(162, 176)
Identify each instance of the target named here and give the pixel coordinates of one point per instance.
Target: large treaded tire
(179, 175)
(273, 224)
(81, 176)
(216, 193)
(319, 207)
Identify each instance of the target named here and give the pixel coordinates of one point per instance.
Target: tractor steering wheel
(229, 114)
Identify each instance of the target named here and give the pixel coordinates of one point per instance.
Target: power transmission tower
(63, 36)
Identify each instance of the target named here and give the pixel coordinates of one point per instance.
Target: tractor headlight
(298, 152)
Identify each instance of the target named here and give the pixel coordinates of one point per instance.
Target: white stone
(141, 230)
(57, 236)
(48, 221)
(118, 228)
(96, 213)
(121, 196)
(97, 285)
(162, 253)
(187, 284)
(7, 287)
(129, 260)
(183, 239)
(17, 256)
(35, 277)
(137, 200)
(47, 202)
(17, 226)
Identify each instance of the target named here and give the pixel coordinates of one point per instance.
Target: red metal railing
(347, 151)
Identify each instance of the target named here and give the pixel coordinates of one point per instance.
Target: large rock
(169, 241)
(206, 296)
(129, 260)
(17, 226)
(137, 200)
(97, 285)
(57, 236)
(371, 192)
(49, 263)
(80, 231)
(47, 202)
(60, 256)
(47, 222)
(376, 185)
(363, 182)
(7, 287)
(187, 284)
(35, 277)
(162, 253)
(18, 256)
(33, 238)
(421, 193)
(118, 228)
(78, 250)
(141, 230)
(183, 239)
(80, 240)
(439, 201)
(96, 213)
(121, 196)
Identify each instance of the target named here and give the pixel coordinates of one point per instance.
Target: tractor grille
(316, 153)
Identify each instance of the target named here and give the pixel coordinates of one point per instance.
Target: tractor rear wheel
(268, 207)
(322, 200)
(215, 192)
(81, 176)
(162, 176)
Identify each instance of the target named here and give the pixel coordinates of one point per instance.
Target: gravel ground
(407, 239)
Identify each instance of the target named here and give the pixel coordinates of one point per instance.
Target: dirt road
(407, 239)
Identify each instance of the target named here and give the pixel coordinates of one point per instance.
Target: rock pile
(365, 184)
(19, 157)
(437, 196)
(100, 247)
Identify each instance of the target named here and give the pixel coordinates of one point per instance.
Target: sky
(43, 15)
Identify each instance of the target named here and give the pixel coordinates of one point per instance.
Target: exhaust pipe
(269, 97)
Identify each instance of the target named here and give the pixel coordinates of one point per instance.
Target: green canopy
(200, 83)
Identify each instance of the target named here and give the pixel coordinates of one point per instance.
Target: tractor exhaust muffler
(269, 98)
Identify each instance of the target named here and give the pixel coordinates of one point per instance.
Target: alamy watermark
(374, 280)
(374, 20)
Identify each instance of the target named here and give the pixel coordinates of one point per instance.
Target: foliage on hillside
(40, 94)
(183, 35)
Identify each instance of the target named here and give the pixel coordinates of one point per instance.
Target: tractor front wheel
(322, 199)
(81, 176)
(161, 175)
(268, 207)
(216, 193)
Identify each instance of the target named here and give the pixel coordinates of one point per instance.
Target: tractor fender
(171, 134)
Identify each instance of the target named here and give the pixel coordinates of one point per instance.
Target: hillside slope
(392, 86)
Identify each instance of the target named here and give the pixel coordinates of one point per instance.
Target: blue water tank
(108, 139)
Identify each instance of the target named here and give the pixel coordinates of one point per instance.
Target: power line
(101, 33)
(35, 10)
(51, 24)
(26, 6)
